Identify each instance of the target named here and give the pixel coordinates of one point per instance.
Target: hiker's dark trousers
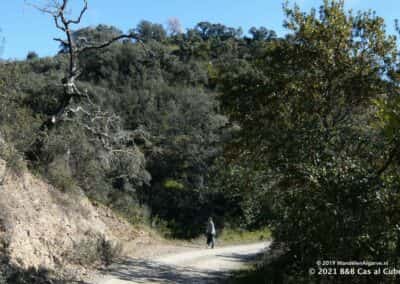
(210, 240)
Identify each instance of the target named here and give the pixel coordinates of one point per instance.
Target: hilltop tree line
(300, 132)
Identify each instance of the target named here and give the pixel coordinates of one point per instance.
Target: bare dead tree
(174, 26)
(58, 10)
(75, 104)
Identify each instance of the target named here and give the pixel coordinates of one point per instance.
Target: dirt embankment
(42, 226)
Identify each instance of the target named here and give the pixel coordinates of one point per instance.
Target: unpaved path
(195, 266)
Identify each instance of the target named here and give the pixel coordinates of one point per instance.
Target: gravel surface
(190, 266)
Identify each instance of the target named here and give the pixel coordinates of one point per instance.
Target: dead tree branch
(78, 20)
(57, 9)
(107, 43)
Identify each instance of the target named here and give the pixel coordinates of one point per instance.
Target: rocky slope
(42, 227)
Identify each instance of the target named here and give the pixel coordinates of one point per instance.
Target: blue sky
(26, 29)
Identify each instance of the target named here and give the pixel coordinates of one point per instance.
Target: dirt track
(196, 266)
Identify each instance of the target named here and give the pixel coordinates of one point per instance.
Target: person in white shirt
(210, 233)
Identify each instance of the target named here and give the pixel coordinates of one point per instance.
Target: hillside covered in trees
(299, 133)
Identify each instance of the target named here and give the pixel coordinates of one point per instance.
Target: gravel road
(195, 266)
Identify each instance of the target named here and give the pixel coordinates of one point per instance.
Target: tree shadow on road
(240, 257)
(142, 271)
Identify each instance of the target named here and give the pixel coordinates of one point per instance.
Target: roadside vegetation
(237, 236)
(230, 236)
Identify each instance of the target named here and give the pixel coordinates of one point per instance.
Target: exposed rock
(42, 224)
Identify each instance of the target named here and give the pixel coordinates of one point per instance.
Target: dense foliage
(309, 122)
(300, 132)
(163, 121)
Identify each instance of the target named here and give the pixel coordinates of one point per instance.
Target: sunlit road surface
(197, 266)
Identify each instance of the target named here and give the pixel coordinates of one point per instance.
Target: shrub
(94, 250)
(108, 250)
(126, 205)
(13, 159)
(162, 226)
(60, 176)
(12, 274)
(173, 184)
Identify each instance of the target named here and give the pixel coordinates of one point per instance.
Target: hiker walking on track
(210, 232)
